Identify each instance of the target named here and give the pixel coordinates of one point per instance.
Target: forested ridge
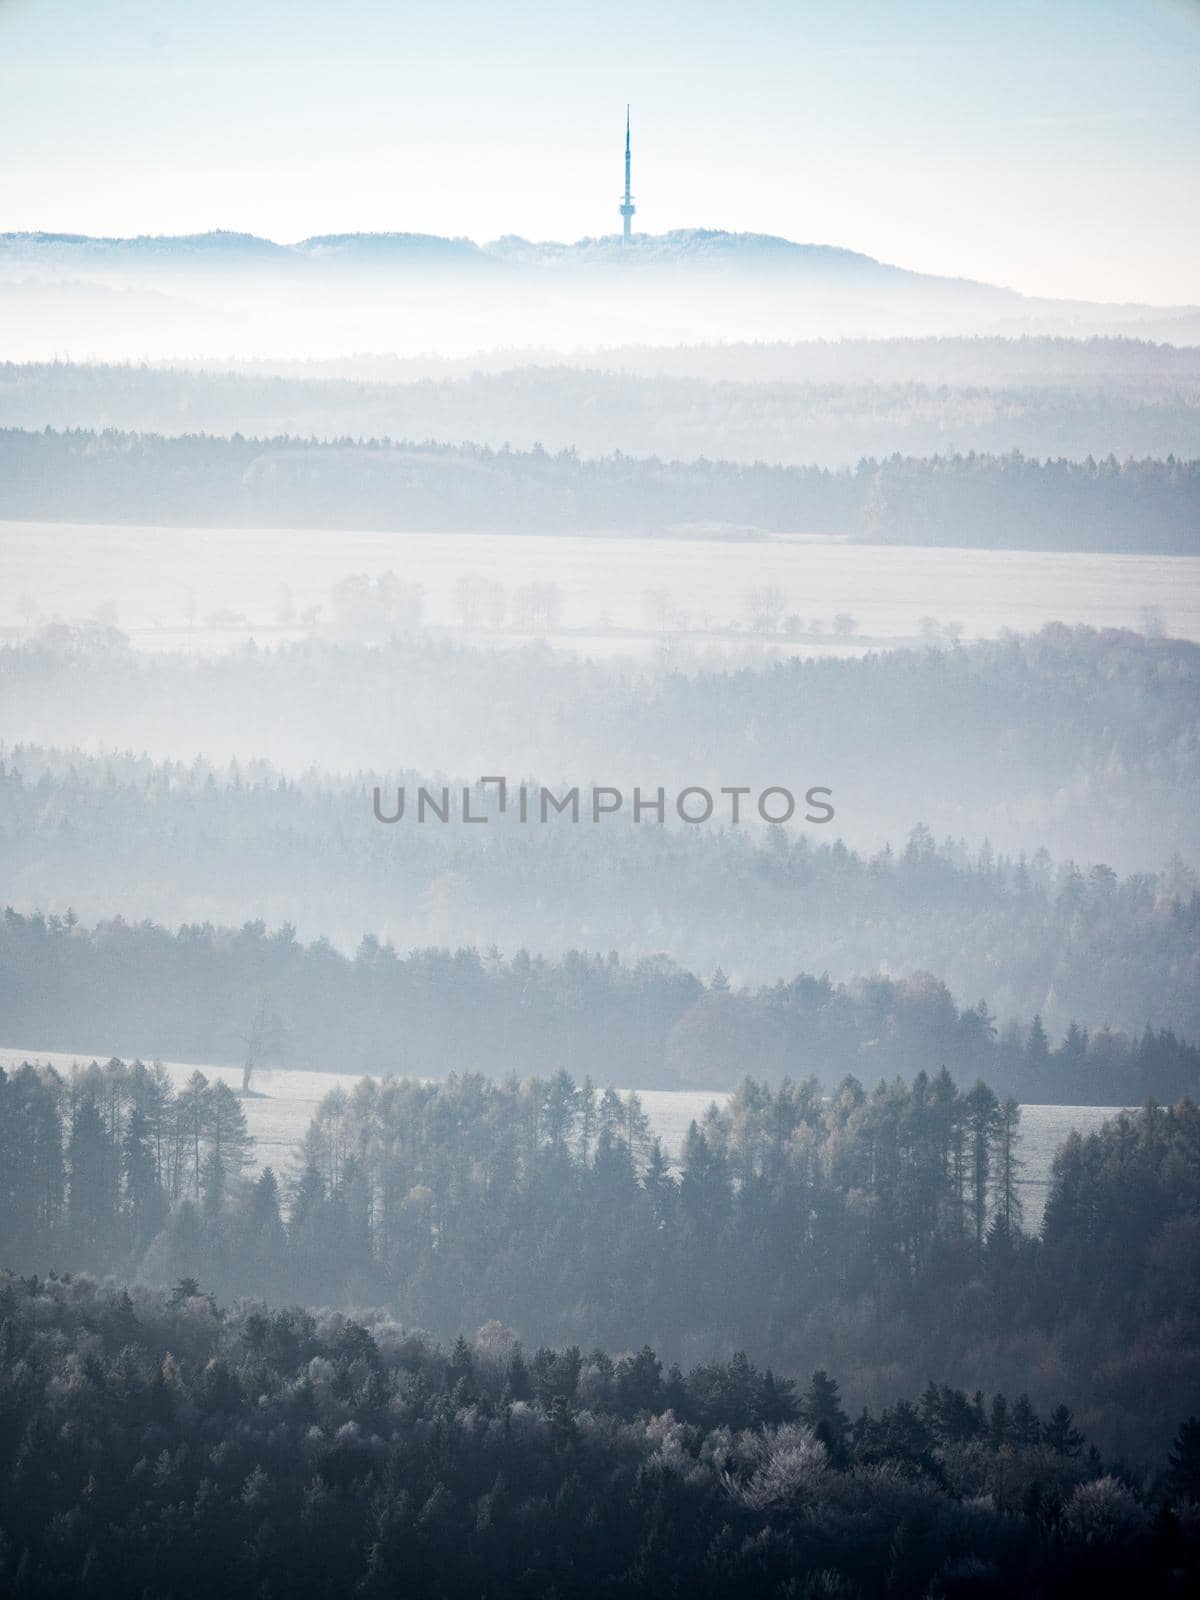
(1116, 363)
(995, 501)
(1136, 403)
(194, 994)
(1076, 739)
(1066, 940)
(883, 1228)
(168, 1446)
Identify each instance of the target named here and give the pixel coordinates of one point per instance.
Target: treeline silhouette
(198, 993)
(1034, 936)
(1024, 361)
(883, 1227)
(1110, 363)
(1006, 502)
(1076, 739)
(164, 1445)
(1149, 411)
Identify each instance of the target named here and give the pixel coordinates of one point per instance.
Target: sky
(1049, 145)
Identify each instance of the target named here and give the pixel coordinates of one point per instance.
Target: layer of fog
(87, 301)
(1128, 401)
(1079, 743)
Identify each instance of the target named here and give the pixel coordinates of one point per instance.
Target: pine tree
(704, 1195)
(821, 1408)
(1183, 1463)
(151, 1093)
(121, 1326)
(675, 1395)
(998, 1421)
(982, 1120)
(225, 1129)
(659, 1186)
(1008, 1165)
(1061, 1434)
(460, 1373)
(639, 1382)
(264, 1214)
(144, 1199)
(901, 1431)
(517, 1385)
(560, 1110)
(212, 1183)
(587, 1120)
(776, 1400)
(32, 1166)
(191, 1121)
(1037, 1055)
(92, 1197)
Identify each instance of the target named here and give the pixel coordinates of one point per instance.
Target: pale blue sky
(1053, 146)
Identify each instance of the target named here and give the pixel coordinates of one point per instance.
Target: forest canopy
(1009, 501)
(1078, 740)
(164, 1444)
(881, 1228)
(193, 995)
(1061, 939)
(827, 405)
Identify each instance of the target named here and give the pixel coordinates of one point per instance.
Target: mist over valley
(599, 802)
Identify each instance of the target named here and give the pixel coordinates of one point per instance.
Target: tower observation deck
(627, 205)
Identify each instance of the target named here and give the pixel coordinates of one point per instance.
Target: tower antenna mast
(627, 205)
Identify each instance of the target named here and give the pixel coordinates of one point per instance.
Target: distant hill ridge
(679, 287)
(682, 247)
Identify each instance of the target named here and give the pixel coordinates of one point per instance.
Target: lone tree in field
(261, 1041)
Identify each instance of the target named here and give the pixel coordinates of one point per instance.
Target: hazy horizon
(1066, 173)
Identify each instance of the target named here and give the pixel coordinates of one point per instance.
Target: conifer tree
(1061, 1434)
(821, 1408)
(1183, 1475)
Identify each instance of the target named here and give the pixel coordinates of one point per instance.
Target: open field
(212, 589)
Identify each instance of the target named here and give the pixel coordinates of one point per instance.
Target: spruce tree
(1183, 1463)
(821, 1408)
(1061, 1434)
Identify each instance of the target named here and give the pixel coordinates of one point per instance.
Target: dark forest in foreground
(993, 501)
(168, 1447)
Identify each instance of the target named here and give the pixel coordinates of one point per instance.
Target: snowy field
(279, 1111)
(213, 589)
